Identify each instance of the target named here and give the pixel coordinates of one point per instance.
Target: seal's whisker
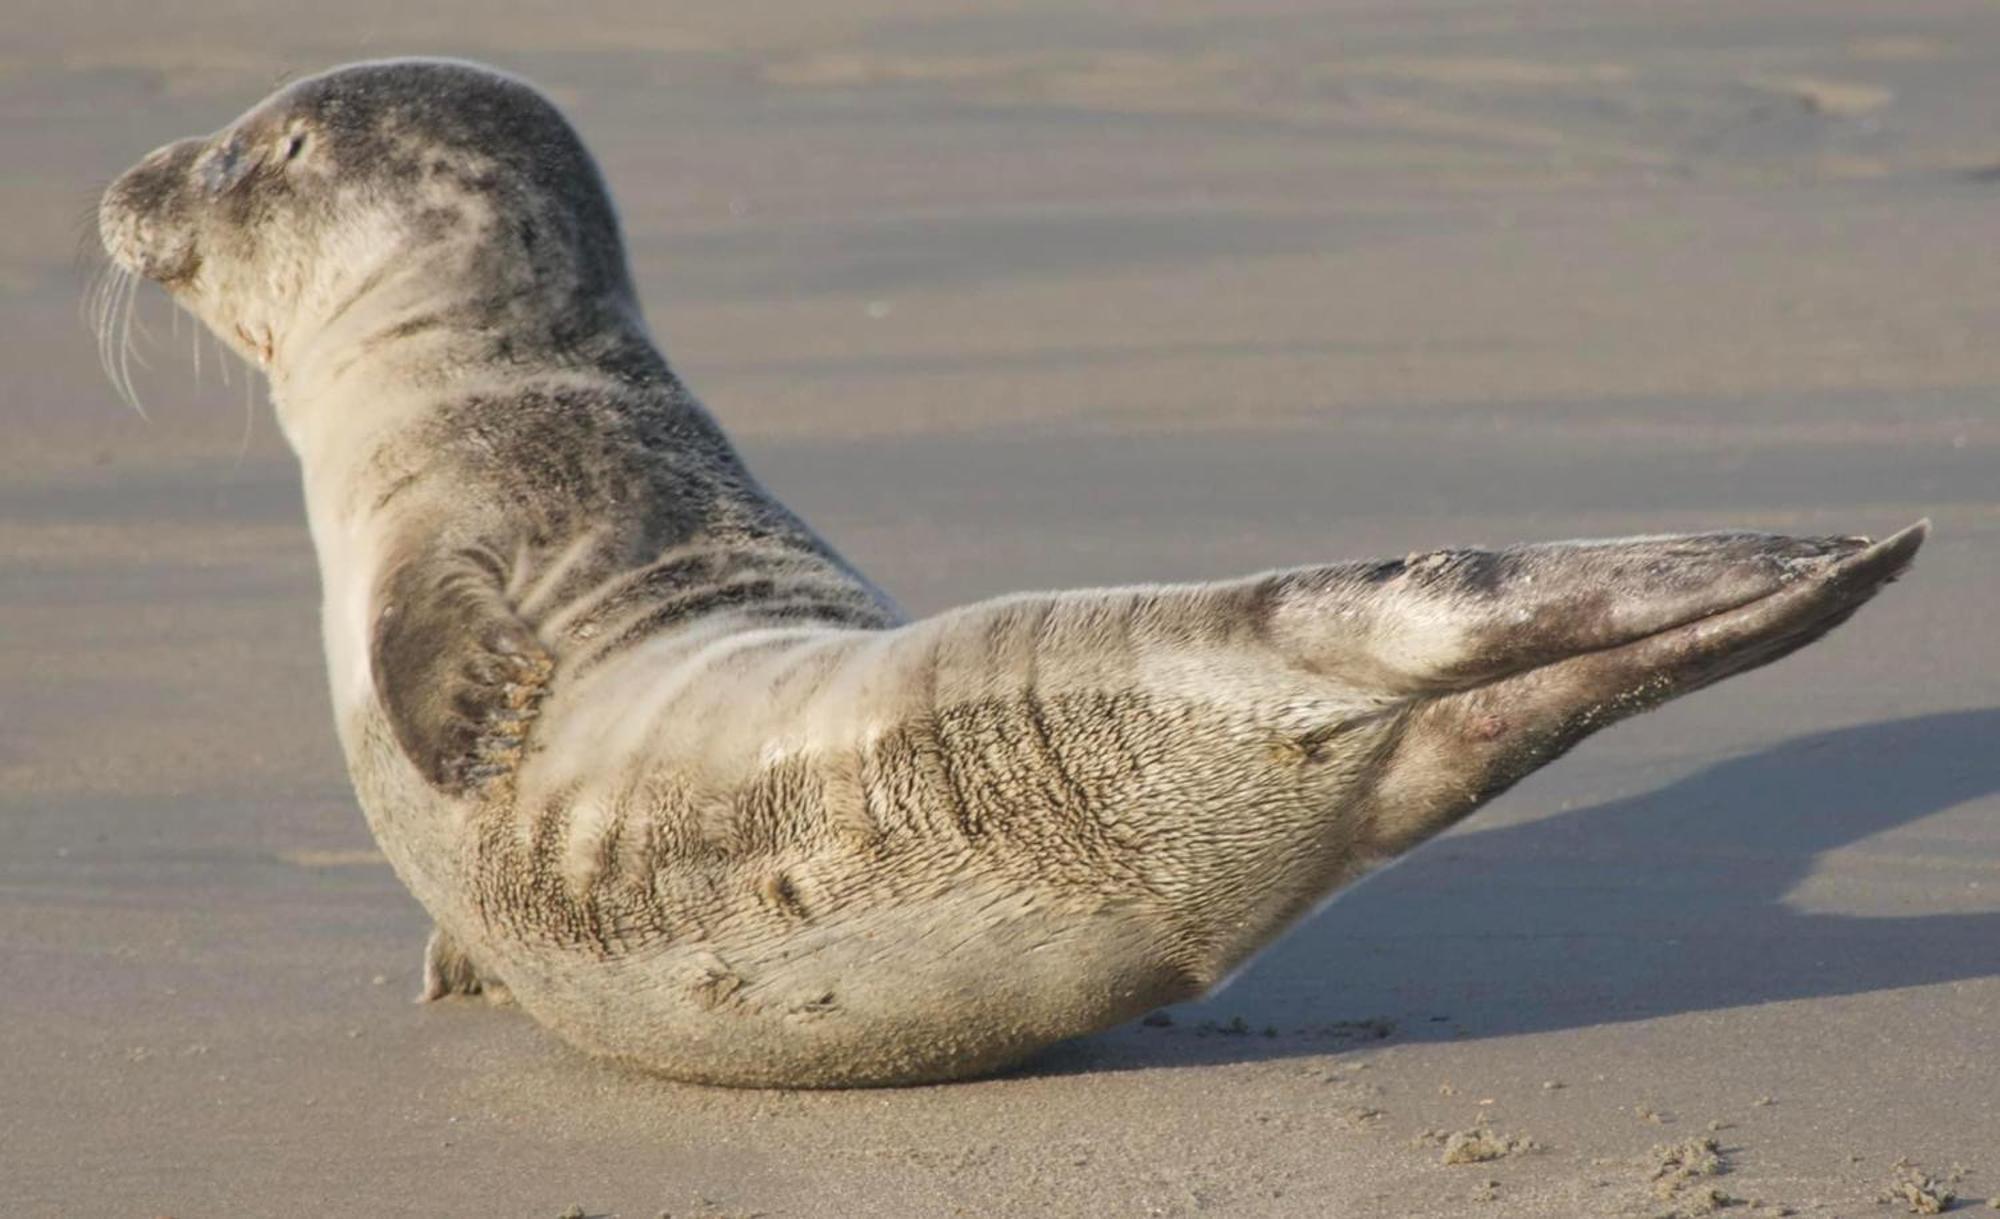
(113, 308)
(249, 425)
(89, 237)
(107, 333)
(125, 350)
(93, 304)
(137, 336)
(107, 296)
(86, 306)
(121, 339)
(145, 333)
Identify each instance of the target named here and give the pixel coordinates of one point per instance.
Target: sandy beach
(1059, 295)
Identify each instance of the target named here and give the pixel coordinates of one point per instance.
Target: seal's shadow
(1668, 902)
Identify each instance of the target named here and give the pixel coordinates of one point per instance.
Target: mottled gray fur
(666, 769)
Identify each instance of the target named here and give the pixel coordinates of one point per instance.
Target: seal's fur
(664, 767)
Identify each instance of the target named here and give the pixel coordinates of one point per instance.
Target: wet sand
(1062, 297)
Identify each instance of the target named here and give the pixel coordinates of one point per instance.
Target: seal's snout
(145, 219)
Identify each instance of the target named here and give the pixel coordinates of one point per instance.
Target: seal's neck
(396, 320)
(391, 340)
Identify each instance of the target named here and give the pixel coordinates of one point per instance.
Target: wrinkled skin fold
(670, 773)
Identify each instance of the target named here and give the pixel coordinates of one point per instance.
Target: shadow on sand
(1669, 902)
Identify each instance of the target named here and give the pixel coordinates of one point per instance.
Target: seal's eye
(294, 146)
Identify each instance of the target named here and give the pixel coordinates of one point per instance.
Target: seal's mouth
(180, 275)
(143, 247)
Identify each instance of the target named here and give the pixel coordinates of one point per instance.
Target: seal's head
(377, 199)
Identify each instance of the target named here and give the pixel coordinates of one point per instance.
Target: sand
(1052, 295)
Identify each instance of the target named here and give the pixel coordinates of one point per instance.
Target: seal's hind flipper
(460, 675)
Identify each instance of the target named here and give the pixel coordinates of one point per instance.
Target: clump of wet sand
(1678, 1163)
(1683, 1172)
(1701, 1200)
(1921, 1192)
(1478, 1145)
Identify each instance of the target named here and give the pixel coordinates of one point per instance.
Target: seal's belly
(958, 983)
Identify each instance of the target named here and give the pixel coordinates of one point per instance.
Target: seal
(661, 763)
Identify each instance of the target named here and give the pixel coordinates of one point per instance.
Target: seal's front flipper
(448, 971)
(459, 673)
